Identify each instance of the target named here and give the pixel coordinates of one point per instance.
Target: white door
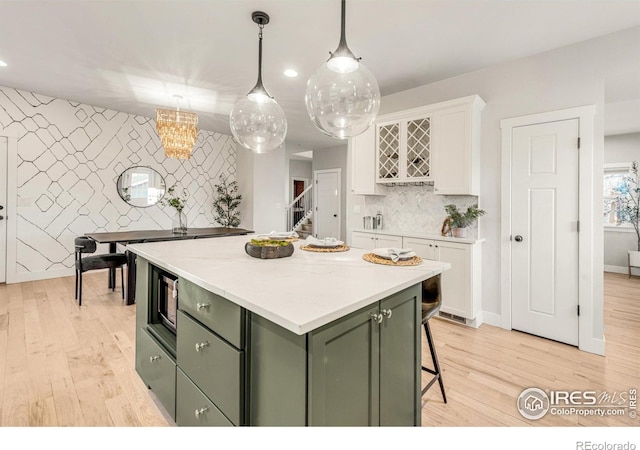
(326, 216)
(544, 230)
(3, 208)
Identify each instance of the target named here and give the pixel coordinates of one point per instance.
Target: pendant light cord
(260, 26)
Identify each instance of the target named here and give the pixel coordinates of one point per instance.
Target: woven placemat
(373, 258)
(339, 248)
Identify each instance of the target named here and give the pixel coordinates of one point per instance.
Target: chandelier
(178, 131)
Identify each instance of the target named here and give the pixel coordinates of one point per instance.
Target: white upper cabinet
(437, 143)
(362, 149)
(456, 147)
(403, 149)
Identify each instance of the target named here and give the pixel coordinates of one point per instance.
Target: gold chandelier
(178, 131)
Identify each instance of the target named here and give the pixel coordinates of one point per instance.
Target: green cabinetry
(365, 368)
(227, 366)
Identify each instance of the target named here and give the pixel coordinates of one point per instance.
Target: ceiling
(133, 56)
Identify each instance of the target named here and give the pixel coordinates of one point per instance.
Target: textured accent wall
(69, 158)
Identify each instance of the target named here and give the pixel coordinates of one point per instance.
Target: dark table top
(164, 235)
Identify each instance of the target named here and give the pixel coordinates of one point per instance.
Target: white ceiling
(133, 56)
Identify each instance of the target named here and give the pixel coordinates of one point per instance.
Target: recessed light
(290, 73)
(3, 64)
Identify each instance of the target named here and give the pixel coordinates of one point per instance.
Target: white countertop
(437, 237)
(300, 293)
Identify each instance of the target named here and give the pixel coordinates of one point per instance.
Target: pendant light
(257, 121)
(342, 96)
(178, 131)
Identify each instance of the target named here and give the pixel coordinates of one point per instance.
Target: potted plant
(460, 221)
(178, 202)
(227, 203)
(628, 211)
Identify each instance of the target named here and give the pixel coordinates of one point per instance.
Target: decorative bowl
(268, 249)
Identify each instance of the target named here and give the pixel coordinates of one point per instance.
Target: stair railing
(299, 209)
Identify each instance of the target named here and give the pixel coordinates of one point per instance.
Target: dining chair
(85, 245)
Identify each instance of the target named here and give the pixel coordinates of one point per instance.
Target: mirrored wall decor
(141, 186)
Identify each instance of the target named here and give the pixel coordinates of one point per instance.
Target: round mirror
(141, 186)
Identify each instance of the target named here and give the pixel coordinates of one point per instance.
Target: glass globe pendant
(342, 96)
(257, 121)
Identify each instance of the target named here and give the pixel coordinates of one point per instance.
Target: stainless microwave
(167, 301)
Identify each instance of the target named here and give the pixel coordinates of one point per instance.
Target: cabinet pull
(377, 317)
(200, 346)
(201, 306)
(387, 313)
(154, 358)
(201, 411)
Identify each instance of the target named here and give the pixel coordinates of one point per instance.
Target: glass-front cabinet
(404, 150)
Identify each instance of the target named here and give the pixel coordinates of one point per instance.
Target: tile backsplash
(416, 209)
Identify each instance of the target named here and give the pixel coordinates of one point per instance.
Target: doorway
(544, 225)
(326, 214)
(4, 151)
(550, 241)
(298, 185)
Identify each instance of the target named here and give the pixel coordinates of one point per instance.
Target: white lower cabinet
(369, 241)
(461, 288)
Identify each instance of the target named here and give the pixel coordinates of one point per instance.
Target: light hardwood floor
(64, 365)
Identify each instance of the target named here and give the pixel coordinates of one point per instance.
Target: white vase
(459, 232)
(179, 223)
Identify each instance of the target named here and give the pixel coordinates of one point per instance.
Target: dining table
(139, 236)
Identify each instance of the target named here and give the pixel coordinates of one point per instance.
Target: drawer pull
(387, 313)
(201, 306)
(201, 411)
(200, 346)
(377, 317)
(154, 358)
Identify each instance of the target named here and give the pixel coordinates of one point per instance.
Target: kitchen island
(311, 339)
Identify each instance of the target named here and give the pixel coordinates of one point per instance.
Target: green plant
(462, 220)
(628, 200)
(227, 203)
(175, 201)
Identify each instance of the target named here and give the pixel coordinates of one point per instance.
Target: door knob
(1, 217)
(335, 215)
(518, 238)
(1, 207)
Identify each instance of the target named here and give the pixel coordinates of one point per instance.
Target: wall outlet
(24, 201)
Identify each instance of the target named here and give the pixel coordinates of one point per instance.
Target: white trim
(587, 265)
(315, 198)
(45, 275)
(616, 269)
(619, 228)
(493, 319)
(12, 206)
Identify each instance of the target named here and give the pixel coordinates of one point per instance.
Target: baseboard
(596, 346)
(492, 319)
(46, 275)
(616, 269)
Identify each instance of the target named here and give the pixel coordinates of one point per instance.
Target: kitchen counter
(419, 235)
(299, 293)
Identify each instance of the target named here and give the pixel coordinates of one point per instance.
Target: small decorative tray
(337, 248)
(372, 258)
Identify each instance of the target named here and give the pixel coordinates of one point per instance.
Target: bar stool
(431, 300)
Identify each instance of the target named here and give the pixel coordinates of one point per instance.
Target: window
(617, 177)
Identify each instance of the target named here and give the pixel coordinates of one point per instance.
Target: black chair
(431, 300)
(107, 261)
